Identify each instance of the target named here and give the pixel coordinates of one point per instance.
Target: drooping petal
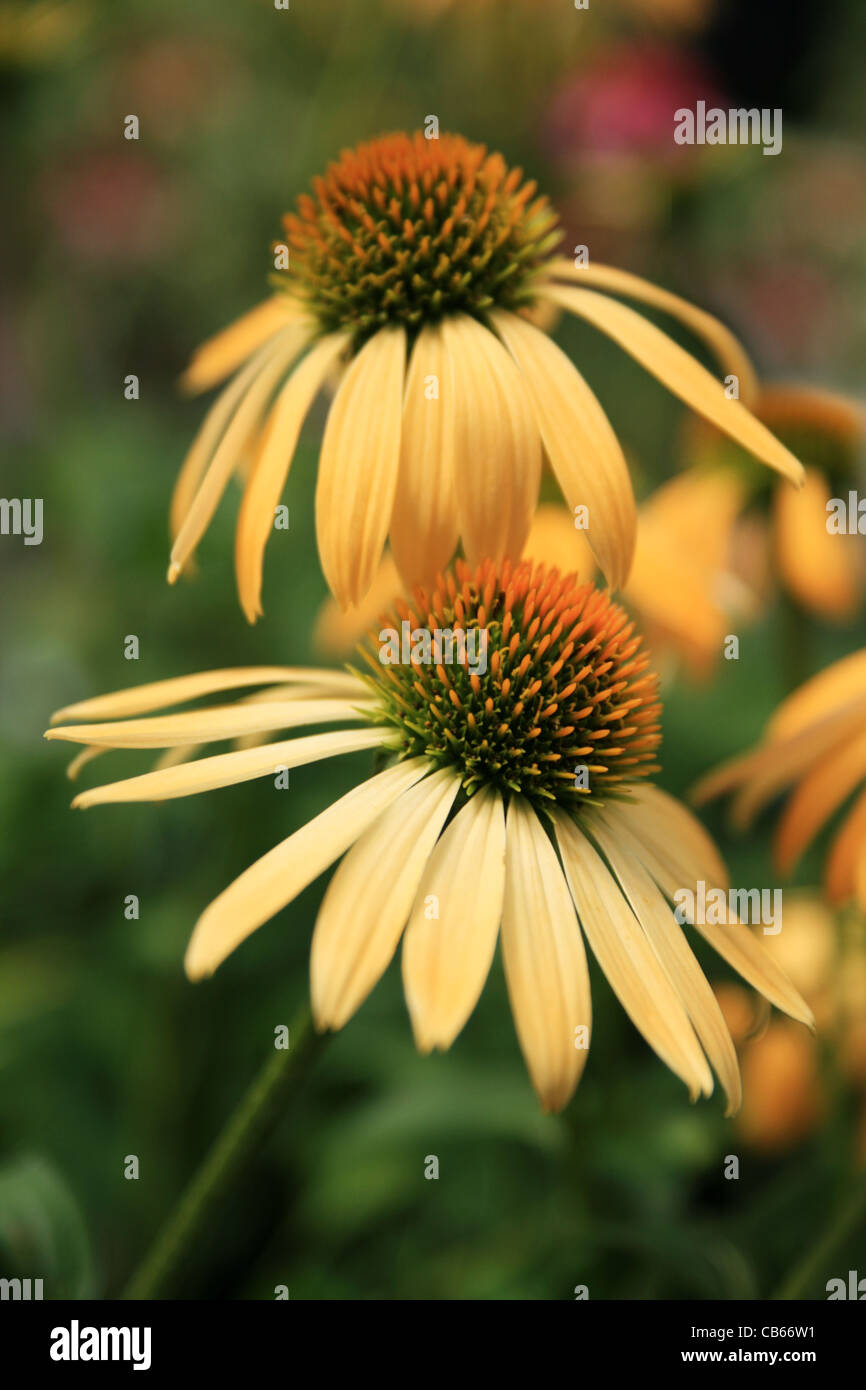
(820, 569)
(820, 793)
(447, 955)
(141, 699)
(826, 693)
(268, 475)
(370, 896)
(545, 960)
(280, 875)
(220, 355)
(584, 452)
(628, 961)
(210, 725)
(227, 769)
(722, 342)
(675, 957)
(224, 461)
(497, 445)
(681, 373)
(840, 874)
(358, 466)
(424, 520)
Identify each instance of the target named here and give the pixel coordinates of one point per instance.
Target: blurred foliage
(120, 257)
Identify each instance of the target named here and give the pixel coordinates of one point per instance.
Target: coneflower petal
(285, 871)
(497, 445)
(227, 769)
(178, 690)
(545, 960)
(359, 464)
(724, 344)
(826, 693)
(821, 570)
(659, 820)
(845, 853)
(450, 940)
(675, 956)
(370, 896)
(271, 468)
(628, 961)
(584, 452)
(424, 521)
(210, 725)
(221, 354)
(680, 373)
(817, 796)
(244, 422)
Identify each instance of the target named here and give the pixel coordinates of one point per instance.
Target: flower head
(411, 276)
(468, 835)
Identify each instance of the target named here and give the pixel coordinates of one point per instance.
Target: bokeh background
(119, 257)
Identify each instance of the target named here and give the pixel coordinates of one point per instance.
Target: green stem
(251, 1123)
(812, 1269)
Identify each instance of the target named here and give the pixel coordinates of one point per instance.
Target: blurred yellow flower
(414, 270)
(514, 806)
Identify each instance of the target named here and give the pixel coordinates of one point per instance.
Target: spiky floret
(404, 229)
(566, 709)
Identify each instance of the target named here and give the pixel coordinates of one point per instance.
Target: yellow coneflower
(815, 743)
(681, 586)
(821, 570)
(414, 268)
(515, 806)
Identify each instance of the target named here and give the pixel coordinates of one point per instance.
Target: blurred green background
(119, 258)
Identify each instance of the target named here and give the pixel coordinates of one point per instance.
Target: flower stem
(814, 1265)
(252, 1122)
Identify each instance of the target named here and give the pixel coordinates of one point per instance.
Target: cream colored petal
(584, 452)
(81, 760)
(208, 725)
(497, 446)
(227, 769)
(830, 691)
(358, 466)
(731, 354)
(268, 476)
(544, 959)
(657, 819)
(821, 570)
(370, 896)
(280, 875)
(628, 961)
(821, 792)
(681, 374)
(675, 956)
(424, 519)
(228, 451)
(209, 434)
(447, 956)
(337, 632)
(141, 699)
(220, 355)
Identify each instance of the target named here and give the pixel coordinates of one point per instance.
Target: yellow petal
(820, 793)
(497, 446)
(730, 352)
(554, 537)
(820, 569)
(578, 439)
(675, 957)
(337, 632)
(838, 685)
(220, 355)
(681, 374)
(628, 961)
(227, 769)
(141, 699)
(544, 959)
(447, 955)
(208, 725)
(358, 466)
(370, 896)
(225, 458)
(268, 476)
(424, 520)
(846, 851)
(661, 822)
(280, 875)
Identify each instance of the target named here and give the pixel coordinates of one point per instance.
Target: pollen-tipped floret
(404, 229)
(556, 702)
